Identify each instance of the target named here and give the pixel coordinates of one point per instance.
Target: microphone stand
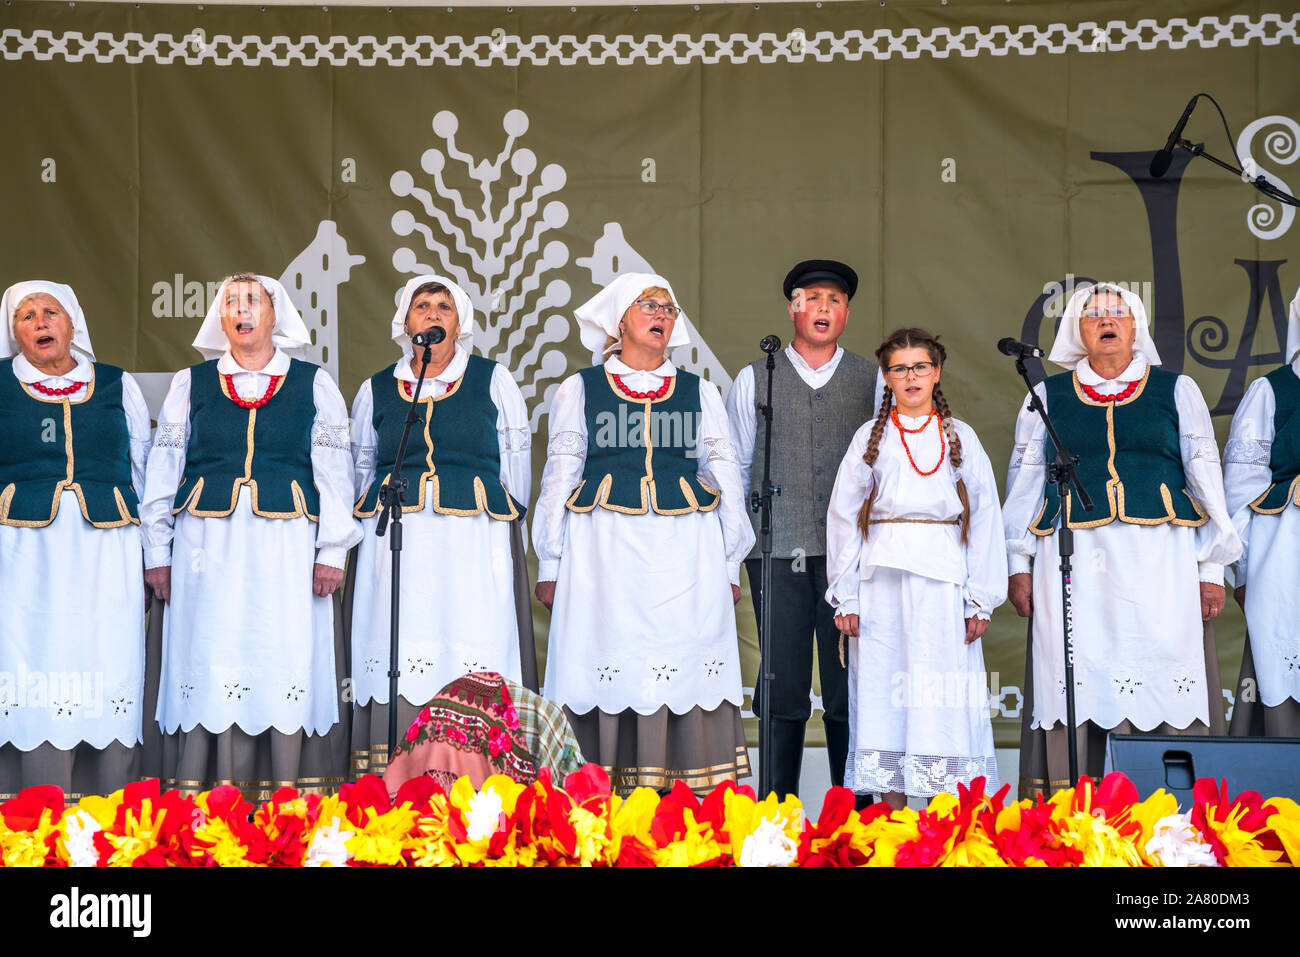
(392, 495)
(1063, 473)
(762, 504)
(1260, 182)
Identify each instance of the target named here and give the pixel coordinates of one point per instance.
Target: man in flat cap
(821, 394)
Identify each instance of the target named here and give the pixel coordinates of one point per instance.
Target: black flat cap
(820, 270)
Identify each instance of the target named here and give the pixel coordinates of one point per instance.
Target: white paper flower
(485, 810)
(1176, 842)
(768, 846)
(328, 847)
(81, 839)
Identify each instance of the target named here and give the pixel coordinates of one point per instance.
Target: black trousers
(800, 611)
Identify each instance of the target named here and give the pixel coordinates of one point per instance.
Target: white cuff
(848, 607)
(335, 556)
(733, 572)
(158, 556)
(548, 569)
(1211, 573)
(1019, 564)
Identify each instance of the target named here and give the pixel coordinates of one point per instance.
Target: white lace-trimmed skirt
(1273, 605)
(919, 719)
(245, 641)
(643, 615)
(71, 633)
(457, 605)
(1139, 652)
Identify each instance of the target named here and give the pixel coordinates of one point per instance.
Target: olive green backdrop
(945, 149)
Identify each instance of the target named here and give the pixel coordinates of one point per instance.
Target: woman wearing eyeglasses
(640, 529)
(1148, 559)
(916, 564)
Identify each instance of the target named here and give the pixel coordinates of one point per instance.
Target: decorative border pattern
(502, 49)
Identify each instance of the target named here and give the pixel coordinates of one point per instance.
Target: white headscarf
(1068, 348)
(599, 316)
(464, 310)
(65, 297)
(289, 335)
(1293, 330)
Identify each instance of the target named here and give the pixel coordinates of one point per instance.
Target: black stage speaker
(1174, 762)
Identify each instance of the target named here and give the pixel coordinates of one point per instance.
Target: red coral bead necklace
(1096, 396)
(658, 393)
(57, 393)
(903, 432)
(250, 403)
(410, 393)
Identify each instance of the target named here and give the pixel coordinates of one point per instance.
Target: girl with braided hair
(916, 563)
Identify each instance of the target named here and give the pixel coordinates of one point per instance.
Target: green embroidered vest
(641, 453)
(268, 448)
(51, 445)
(1130, 458)
(1284, 458)
(455, 454)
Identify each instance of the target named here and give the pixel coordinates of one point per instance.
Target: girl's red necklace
(903, 432)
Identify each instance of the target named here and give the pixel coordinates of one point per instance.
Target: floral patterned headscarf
(470, 728)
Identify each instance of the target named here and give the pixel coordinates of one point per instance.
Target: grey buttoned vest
(811, 430)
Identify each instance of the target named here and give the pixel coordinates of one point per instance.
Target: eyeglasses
(1115, 312)
(650, 308)
(922, 370)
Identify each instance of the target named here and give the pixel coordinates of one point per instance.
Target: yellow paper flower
(593, 837)
(880, 838)
(27, 848)
(222, 843)
(1240, 847)
(698, 845)
(139, 835)
(102, 809)
(1101, 844)
(384, 837)
(975, 849)
(631, 817)
(1286, 825)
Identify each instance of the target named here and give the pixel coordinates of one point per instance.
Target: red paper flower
(588, 787)
(1206, 793)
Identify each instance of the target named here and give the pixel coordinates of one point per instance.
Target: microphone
(770, 344)
(432, 337)
(1011, 347)
(1160, 162)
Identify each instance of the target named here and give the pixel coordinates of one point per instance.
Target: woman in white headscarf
(640, 528)
(464, 600)
(1148, 560)
(1261, 475)
(72, 656)
(247, 521)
